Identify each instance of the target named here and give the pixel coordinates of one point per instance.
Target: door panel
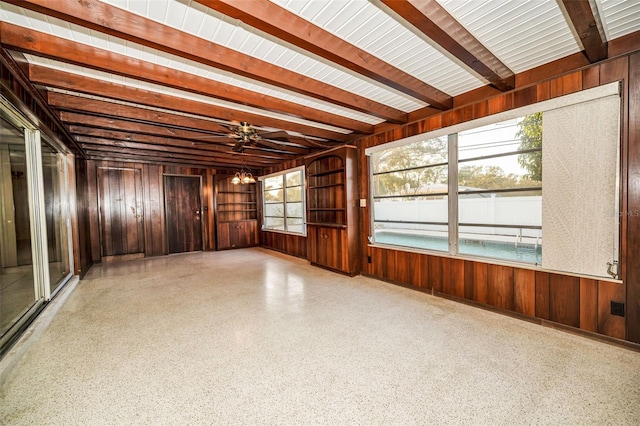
(183, 208)
(121, 215)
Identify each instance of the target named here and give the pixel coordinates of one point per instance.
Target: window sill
(278, 231)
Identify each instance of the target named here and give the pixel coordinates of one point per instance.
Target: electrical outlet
(617, 308)
(368, 259)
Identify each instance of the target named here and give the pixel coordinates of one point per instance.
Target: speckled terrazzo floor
(256, 337)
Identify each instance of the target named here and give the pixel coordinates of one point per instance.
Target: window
(476, 188)
(283, 201)
(500, 190)
(494, 189)
(410, 192)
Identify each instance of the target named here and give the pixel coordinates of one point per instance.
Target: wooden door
(183, 207)
(121, 213)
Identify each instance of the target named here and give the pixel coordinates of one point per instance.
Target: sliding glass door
(54, 175)
(19, 292)
(35, 234)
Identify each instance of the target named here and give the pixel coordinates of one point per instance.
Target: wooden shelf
(327, 172)
(328, 225)
(330, 185)
(236, 215)
(332, 238)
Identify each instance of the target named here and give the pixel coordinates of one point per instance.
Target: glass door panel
(17, 289)
(57, 233)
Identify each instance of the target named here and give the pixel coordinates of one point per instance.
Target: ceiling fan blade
(218, 141)
(211, 137)
(280, 134)
(238, 146)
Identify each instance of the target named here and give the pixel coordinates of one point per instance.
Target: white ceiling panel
(238, 38)
(103, 41)
(517, 32)
(388, 40)
(621, 17)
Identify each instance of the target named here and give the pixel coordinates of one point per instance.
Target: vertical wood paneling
(155, 190)
(567, 84)
(588, 304)
(389, 268)
(456, 280)
(120, 193)
(435, 273)
(469, 280)
(564, 299)
(93, 209)
(611, 325)
(590, 77)
(631, 189)
(542, 303)
(525, 96)
(82, 253)
(209, 230)
(524, 291)
(500, 286)
(481, 277)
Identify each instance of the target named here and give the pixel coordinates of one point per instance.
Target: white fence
(521, 212)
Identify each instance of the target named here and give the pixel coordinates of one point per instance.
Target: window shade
(580, 151)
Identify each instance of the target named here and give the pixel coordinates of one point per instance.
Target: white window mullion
(453, 193)
(37, 213)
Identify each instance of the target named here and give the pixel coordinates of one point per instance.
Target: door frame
(200, 200)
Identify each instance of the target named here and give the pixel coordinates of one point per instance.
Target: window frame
(284, 188)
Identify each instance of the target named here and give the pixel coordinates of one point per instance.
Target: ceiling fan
(244, 134)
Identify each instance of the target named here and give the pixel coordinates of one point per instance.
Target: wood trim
(631, 187)
(585, 26)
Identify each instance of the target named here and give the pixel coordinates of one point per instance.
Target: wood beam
(115, 135)
(585, 25)
(279, 22)
(60, 79)
(173, 146)
(134, 113)
(41, 44)
(102, 17)
(167, 132)
(435, 22)
(151, 150)
(153, 159)
(228, 156)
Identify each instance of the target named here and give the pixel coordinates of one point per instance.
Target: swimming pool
(527, 253)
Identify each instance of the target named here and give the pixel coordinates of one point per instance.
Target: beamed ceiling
(168, 81)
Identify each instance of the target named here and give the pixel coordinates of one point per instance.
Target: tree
(410, 182)
(530, 134)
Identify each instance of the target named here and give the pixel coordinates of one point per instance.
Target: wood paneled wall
(569, 300)
(153, 201)
(82, 240)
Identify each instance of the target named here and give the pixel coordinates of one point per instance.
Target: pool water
(526, 253)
